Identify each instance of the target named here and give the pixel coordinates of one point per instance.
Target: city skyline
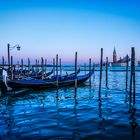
(44, 28)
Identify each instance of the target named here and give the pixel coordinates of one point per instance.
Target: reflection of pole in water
(126, 97)
(57, 98)
(101, 127)
(42, 100)
(76, 134)
(10, 120)
(3, 90)
(58, 109)
(132, 119)
(75, 101)
(100, 107)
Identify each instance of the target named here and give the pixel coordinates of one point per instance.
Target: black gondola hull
(39, 84)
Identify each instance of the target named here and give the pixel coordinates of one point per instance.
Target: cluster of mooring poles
(132, 74)
(57, 66)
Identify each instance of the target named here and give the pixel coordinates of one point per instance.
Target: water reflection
(126, 100)
(75, 102)
(9, 120)
(132, 117)
(101, 126)
(76, 134)
(3, 91)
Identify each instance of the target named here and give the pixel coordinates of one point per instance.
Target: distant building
(121, 61)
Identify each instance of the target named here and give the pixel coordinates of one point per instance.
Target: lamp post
(11, 48)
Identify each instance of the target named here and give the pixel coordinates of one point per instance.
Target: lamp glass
(18, 48)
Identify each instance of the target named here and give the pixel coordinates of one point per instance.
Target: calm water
(69, 114)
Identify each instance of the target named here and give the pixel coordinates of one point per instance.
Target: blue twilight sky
(49, 27)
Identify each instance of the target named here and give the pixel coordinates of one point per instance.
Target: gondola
(36, 75)
(47, 83)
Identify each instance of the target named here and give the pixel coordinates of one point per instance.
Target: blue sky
(45, 28)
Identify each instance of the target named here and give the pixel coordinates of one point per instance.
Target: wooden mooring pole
(93, 68)
(22, 64)
(90, 71)
(60, 67)
(45, 66)
(134, 81)
(28, 66)
(57, 70)
(18, 68)
(132, 78)
(3, 61)
(75, 69)
(107, 72)
(8, 50)
(126, 71)
(100, 80)
(36, 68)
(38, 63)
(53, 66)
(42, 66)
(85, 68)
(12, 74)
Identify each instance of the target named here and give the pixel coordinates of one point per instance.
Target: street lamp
(11, 48)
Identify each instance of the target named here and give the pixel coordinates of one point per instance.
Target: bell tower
(114, 56)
